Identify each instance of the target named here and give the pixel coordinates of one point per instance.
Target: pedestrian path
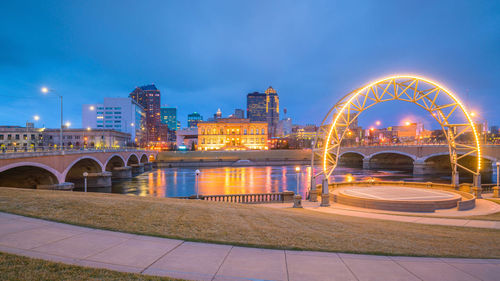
(201, 261)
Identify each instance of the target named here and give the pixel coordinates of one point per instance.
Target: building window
(32, 136)
(262, 140)
(202, 141)
(1, 137)
(25, 137)
(263, 131)
(251, 131)
(221, 131)
(245, 131)
(17, 137)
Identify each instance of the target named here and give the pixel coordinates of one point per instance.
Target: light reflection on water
(171, 182)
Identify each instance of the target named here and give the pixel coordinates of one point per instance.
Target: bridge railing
(254, 198)
(5, 150)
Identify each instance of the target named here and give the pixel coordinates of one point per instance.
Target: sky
(205, 55)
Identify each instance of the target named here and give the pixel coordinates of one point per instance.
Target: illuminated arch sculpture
(441, 103)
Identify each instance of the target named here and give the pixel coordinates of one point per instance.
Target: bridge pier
(366, 163)
(137, 168)
(420, 167)
(122, 172)
(94, 180)
(148, 166)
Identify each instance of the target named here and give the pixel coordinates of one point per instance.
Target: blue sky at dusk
(205, 55)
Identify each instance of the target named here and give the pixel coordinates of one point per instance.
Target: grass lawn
(13, 267)
(249, 225)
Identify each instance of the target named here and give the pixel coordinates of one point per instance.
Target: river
(172, 182)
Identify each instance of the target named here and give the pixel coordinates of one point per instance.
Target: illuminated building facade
(169, 117)
(232, 134)
(149, 98)
(193, 119)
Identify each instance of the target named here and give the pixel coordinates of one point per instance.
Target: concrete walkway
(200, 261)
(423, 218)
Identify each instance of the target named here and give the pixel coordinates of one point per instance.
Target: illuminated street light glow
(377, 123)
(68, 124)
(44, 90)
(36, 117)
(407, 123)
(91, 107)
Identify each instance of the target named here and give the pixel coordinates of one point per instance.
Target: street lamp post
(197, 173)
(297, 199)
(85, 175)
(46, 90)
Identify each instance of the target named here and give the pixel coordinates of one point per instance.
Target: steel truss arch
(440, 102)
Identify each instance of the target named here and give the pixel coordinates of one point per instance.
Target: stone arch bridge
(421, 159)
(59, 169)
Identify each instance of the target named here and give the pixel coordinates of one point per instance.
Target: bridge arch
(391, 160)
(352, 159)
(438, 101)
(393, 152)
(132, 159)
(83, 164)
(144, 158)
(28, 175)
(353, 152)
(115, 160)
(152, 157)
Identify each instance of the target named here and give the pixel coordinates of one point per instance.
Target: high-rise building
(169, 117)
(264, 107)
(218, 114)
(272, 110)
(256, 107)
(119, 114)
(193, 119)
(149, 97)
(238, 114)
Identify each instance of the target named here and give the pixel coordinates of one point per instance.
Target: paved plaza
(398, 193)
(201, 261)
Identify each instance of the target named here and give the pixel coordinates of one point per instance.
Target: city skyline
(189, 64)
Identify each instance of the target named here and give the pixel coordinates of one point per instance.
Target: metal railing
(255, 198)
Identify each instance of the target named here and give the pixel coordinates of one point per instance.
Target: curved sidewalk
(201, 261)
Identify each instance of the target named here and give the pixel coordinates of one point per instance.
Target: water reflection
(171, 182)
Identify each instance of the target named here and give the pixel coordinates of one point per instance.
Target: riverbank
(247, 225)
(233, 158)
